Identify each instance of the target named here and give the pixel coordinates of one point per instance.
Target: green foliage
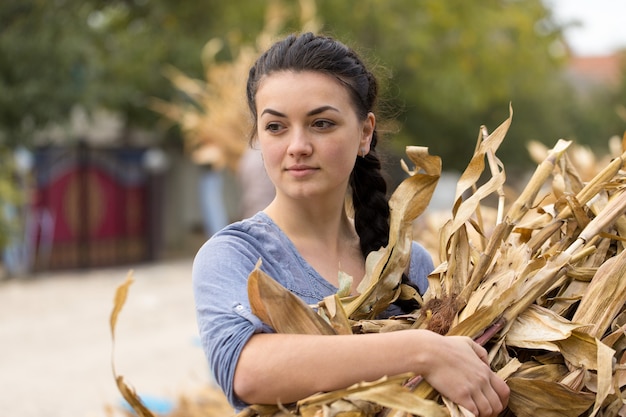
(447, 67)
(41, 64)
(457, 65)
(100, 54)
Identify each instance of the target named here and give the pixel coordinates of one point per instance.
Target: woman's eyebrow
(313, 112)
(321, 110)
(273, 112)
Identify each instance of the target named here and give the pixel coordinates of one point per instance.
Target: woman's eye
(273, 127)
(323, 124)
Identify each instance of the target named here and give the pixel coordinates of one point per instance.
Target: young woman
(312, 100)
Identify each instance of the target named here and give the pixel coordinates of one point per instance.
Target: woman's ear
(369, 124)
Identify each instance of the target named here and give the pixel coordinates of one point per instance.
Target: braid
(371, 211)
(370, 201)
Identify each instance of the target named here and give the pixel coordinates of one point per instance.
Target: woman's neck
(326, 239)
(302, 220)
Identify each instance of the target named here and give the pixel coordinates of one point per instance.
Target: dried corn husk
(270, 301)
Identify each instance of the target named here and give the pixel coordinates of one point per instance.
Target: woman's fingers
(497, 397)
(480, 351)
(492, 397)
(477, 388)
(496, 392)
(502, 390)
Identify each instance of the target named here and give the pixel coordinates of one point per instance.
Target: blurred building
(103, 197)
(589, 72)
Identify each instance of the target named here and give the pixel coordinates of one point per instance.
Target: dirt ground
(56, 349)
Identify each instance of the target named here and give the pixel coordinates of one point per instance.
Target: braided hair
(309, 52)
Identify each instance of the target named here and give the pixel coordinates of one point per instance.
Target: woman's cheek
(272, 161)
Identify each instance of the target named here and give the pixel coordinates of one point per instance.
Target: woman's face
(309, 133)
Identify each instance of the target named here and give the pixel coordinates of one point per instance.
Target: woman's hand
(458, 369)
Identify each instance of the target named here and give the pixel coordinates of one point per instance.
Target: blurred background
(123, 127)
(123, 144)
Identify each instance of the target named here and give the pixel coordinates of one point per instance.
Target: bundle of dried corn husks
(540, 282)
(542, 287)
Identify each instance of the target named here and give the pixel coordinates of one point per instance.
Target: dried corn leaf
(257, 305)
(308, 406)
(604, 219)
(332, 309)
(515, 213)
(207, 401)
(456, 410)
(400, 399)
(284, 311)
(580, 350)
(263, 410)
(408, 292)
(604, 375)
(381, 326)
(386, 392)
(476, 166)
(458, 262)
(121, 294)
(345, 284)
(511, 367)
(576, 379)
(129, 394)
(380, 287)
(514, 299)
(131, 397)
(597, 184)
(620, 372)
(554, 372)
(595, 307)
(348, 408)
(538, 328)
(512, 260)
(532, 398)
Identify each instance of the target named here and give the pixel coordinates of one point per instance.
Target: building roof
(597, 70)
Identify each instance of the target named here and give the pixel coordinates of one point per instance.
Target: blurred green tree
(57, 54)
(456, 65)
(447, 67)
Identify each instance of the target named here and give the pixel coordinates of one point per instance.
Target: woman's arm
(284, 368)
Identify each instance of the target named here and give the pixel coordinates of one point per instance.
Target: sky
(603, 29)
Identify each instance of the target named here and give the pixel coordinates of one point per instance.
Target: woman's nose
(299, 143)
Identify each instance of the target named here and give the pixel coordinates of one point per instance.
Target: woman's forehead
(283, 86)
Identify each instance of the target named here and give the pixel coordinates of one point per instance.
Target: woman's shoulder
(257, 227)
(251, 238)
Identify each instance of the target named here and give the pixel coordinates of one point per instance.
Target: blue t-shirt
(220, 282)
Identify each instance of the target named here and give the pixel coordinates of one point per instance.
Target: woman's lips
(301, 170)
